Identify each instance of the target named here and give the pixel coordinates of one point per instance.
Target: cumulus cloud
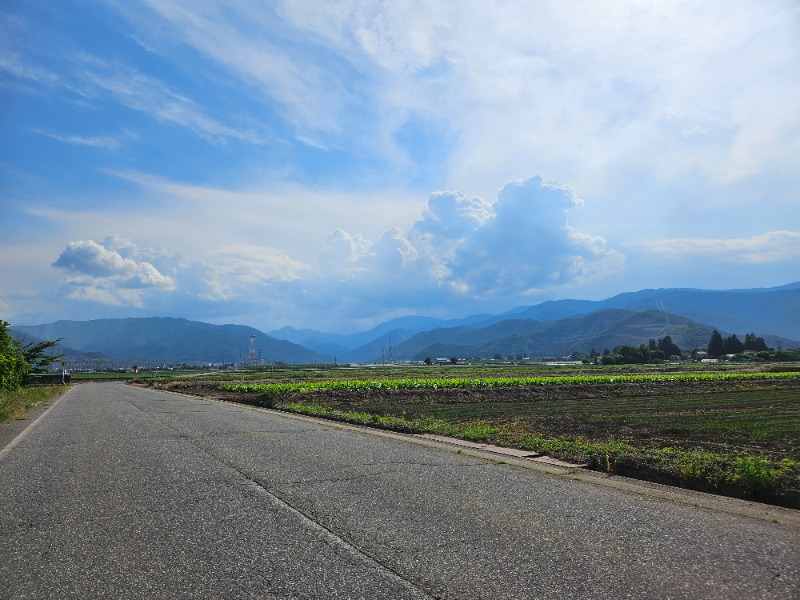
(90, 259)
(111, 273)
(453, 215)
(461, 250)
(528, 246)
(462, 254)
(341, 249)
(466, 249)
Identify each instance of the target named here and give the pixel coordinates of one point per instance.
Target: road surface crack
(328, 534)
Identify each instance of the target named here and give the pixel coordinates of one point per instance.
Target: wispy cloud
(574, 90)
(769, 247)
(90, 79)
(153, 97)
(16, 67)
(579, 88)
(105, 142)
(254, 45)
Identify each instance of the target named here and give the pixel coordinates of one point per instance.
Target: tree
(668, 347)
(755, 343)
(14, 368)
(630, 355)
(37, 358)
(453, 360)
(733, 345)
(428, 360)
(18, 360)
(716, 345)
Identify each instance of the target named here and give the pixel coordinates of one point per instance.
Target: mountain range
(166, 340)
(560, 327)
(553, 328)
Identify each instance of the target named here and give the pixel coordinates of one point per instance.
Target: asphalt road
(118, 492)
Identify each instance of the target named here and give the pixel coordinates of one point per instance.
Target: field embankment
(731, 433)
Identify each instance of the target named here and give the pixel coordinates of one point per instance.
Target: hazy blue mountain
(769, 312)
(328, 344)
(170, 341)
(598, 330)
(357, 346)
(764, 311)
(25, 337)
(551, 328)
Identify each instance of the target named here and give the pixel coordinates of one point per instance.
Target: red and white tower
(251, 357)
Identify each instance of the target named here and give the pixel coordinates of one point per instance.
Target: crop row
(356, 385)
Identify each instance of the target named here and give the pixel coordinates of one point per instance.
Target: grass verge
(736, 474)
(14, 405)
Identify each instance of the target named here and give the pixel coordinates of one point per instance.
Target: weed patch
(13, 405)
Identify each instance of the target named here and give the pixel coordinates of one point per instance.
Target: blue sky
(336, 164)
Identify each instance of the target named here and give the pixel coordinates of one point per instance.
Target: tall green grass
(14, 405)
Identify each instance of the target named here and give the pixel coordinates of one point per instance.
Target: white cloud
(18, 68)
(453, 215)
(769, 247)
(104, 142)
(252, 44)
(293, 218)
(577, 88)
(467, 251)
(528, 246)
(255, 264)
(104, 275)
(342, 249)
(140, 92)
(461, 250)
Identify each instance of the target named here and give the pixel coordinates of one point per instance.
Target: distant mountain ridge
(597, 331)
(170, 341)
(773, 310)
(553, 328)
(769, 312)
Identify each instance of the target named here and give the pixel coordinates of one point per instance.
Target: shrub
(13, 367)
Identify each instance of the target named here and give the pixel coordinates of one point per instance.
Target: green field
(116, 375)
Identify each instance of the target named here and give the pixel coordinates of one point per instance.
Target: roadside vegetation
(727, 429)
(18, 362)
(14, 404)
